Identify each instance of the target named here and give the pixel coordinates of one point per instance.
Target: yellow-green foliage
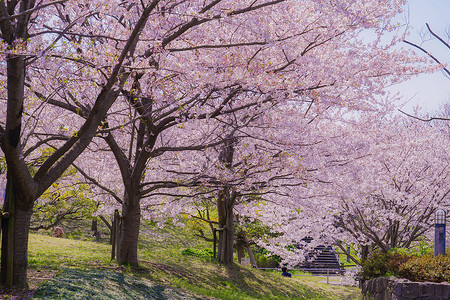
(71, 201)
(63, 199)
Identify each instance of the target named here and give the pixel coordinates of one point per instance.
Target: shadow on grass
(225, 281)
(100, 284)
(252, 283)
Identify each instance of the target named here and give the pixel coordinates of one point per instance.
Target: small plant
(265, 260)
(421, 247)
(206, 253)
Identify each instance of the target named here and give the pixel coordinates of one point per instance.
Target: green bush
(426, 268)
(265, 260)
(412, 267)
(206, 253)
(375, 266)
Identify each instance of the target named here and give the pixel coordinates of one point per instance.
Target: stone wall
(392, 288)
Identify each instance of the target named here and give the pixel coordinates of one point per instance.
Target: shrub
(412, 267)
(206, 253)
(426, 268)
(375, 266)
(265, 260)
(395, 260)
(380, 264)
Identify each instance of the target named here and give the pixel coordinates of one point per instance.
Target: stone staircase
(322, 260)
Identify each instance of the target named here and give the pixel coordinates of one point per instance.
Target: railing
(329, 271)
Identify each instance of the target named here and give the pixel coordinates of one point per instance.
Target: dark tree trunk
(241, 245)
(225, 206)
(19, 201)
(20, 256)
(364, 252)
(19, 216)
(129, 230)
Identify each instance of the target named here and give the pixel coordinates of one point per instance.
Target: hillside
(74, 269)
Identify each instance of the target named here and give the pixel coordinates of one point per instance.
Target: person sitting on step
(285, 272)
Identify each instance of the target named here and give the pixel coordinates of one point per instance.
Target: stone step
(322, 260)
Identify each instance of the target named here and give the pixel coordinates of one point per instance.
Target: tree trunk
(19, 201)
(240, 253)
(129, 231)
(240, 245)
(19, 217)
(364, 252)
(225, 206)
(251, 256)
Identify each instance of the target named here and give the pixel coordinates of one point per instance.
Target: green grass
(101, 284)
(83, 269)
(57, 253)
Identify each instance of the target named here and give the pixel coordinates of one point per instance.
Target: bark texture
(225, 204)
(129, 231)
(19, 216)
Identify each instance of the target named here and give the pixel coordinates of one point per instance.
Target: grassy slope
(164, 273)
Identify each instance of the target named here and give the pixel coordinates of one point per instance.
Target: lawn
(73, 269)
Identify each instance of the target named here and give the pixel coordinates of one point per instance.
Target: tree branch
(429, 54)
(96, 183)
(423, 119)
(438, 37)
(30, 11)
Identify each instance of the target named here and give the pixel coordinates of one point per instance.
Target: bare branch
(423, 119)
(438, 37)
(98, 184)
(30, 11)
(429, 54)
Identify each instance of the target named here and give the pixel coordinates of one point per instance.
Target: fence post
(215, 243)
(113, 236)
(117, 225)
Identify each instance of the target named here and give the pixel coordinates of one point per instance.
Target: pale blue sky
(427, 91)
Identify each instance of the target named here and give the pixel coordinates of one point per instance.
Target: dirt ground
(35, 279)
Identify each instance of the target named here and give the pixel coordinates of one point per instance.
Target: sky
(428, 91)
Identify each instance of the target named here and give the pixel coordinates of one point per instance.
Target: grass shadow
(101, 284)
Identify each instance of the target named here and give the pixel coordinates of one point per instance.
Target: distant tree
(374, 181)
(62, 203)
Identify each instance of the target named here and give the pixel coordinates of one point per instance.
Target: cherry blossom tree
(402, 180)
(170, 61)
(379, 184)
(33, 42)
(241, 170)
(207, 60)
